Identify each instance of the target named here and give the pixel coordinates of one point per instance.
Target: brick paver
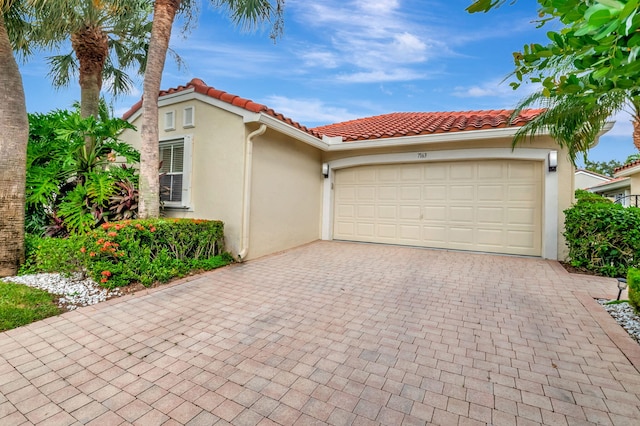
(334, 333)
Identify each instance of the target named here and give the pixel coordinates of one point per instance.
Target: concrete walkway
(335, 333)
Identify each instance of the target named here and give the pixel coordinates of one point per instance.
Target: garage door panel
(524, 193)
(491, 171)
(462, 193)
(435, 193)
(388, 212)
(521, 239)
(490, 193)
(492, 205)
(410, 212)
(366, 230)
(490, 215)
(434, 236)
(521, 216)
(490, 237)
(366, 175)
(346, 211)
(409, 232)
(388, 193)
(435, 213)
(366, 193)
(366, 212)
(461, 236)
(411, 173)
(411, 193)
(461, 214)
(435, 173)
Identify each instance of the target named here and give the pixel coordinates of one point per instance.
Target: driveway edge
(618, 335)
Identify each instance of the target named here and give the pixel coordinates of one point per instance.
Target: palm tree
(108, 38)
(248, 13)
(575, 121)
(14, 135)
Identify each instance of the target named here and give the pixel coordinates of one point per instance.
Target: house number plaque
(422, 155)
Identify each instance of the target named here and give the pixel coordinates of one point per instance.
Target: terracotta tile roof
(423, 123)
(626, 166)
(382, 126)
(200, 86)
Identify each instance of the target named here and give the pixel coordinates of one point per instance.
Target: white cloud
(369, 41)
(309, 112)
(380, 76)
(623, 125)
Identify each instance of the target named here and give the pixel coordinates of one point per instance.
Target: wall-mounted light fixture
(553, 161)
(325, 170)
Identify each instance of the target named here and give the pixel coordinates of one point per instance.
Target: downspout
(246, 203)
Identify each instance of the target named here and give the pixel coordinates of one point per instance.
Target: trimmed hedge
(145, 251)
(633, 281)
(602, 237)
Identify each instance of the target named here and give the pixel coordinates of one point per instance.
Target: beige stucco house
(442, 180)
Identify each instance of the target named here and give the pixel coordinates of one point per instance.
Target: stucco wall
(217, 165)
(565, 170)
(583, 180)
(286, 194)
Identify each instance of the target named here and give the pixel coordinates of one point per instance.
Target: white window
(175, 172)
(188, 117)
(170, 120)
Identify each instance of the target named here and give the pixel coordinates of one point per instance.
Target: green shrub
(583, 196)
(145, 251)
(633, 281)
(603, 237)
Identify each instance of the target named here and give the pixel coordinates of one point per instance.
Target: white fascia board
(462, 136)
(619, 184)
(286, 129)
(608, 126)
(593, 175)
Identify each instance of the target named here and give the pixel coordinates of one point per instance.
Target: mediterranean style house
(447, 180)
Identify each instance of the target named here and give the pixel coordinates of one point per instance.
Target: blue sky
(344, 59)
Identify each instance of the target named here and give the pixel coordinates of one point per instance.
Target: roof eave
(623, 183)
(461, 136)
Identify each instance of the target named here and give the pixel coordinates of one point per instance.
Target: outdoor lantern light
(622, 284)
(553, 161)
(325, 170)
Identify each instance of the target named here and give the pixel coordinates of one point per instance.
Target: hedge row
(144, 251)
(602, 237)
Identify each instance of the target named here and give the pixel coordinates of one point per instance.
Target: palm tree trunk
(91, 46)
(164, 12)
(636, 129)
(14, 134)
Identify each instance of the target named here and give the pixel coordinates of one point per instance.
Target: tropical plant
(588, 70)
(72, 185)
(14, 135)
(108, 38)
(248, 13)
(574, 122)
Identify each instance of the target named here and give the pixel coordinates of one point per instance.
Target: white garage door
(491, 205)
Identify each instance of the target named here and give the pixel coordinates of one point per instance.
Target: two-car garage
(492, 205)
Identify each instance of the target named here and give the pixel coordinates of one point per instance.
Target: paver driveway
(334, 333)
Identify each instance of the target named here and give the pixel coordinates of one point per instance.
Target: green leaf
(612, 3)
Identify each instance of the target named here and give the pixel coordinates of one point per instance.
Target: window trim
(186, 203)
(192, 123)
(170, 120)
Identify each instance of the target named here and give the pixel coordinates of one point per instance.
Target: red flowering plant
(146, 251)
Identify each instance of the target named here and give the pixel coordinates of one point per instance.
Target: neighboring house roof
(627, 169)
(594, 174)
(378, 127)
(201, 87)
(422, 123)
(612, 184)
